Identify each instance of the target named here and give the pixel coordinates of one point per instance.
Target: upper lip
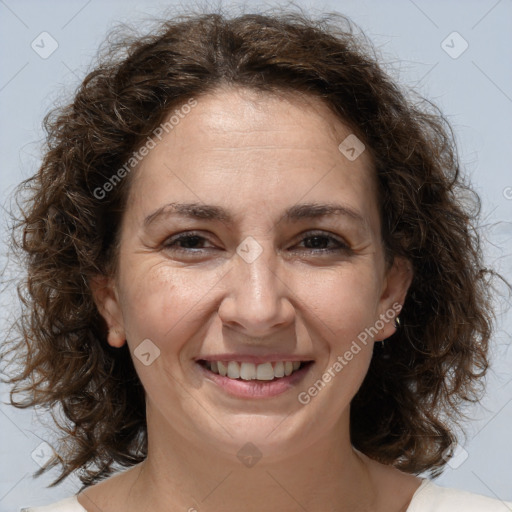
(249, 358)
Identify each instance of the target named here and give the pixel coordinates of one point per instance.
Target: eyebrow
(217, 213)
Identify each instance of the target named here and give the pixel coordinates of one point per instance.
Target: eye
(320, 241)
(191, 242)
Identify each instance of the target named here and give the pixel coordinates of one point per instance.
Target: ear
(105, 297)
(396, 284)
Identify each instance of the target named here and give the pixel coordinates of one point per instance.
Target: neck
(192, 477)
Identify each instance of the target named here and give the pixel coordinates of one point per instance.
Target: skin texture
(255, 155)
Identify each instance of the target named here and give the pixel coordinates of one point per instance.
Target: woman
(250, 279)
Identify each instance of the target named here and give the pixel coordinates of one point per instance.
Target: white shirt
(429, 497)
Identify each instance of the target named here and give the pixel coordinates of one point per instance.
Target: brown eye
(185, 242)
(324, 243)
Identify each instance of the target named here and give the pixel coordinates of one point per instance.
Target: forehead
(247, 146)
(256, 120)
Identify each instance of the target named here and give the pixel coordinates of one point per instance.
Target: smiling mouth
(269, 371)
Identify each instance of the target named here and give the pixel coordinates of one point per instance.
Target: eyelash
(170, 242)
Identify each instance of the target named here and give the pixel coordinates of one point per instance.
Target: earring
(383, 342)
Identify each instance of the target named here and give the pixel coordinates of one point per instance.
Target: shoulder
(70, 504)
(430, 497)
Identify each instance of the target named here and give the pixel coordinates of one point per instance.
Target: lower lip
(256, 388)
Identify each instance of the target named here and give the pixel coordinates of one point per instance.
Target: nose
(258, 299)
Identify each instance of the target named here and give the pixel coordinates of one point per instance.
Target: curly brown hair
(409, 405)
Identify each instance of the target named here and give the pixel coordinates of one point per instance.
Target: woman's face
(252, 274)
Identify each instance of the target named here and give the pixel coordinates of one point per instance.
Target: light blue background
(474, 91)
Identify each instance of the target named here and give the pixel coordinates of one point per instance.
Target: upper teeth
(252, 371)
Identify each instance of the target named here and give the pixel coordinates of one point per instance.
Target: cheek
(343, 308)
(160, 303)
(343, 300)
